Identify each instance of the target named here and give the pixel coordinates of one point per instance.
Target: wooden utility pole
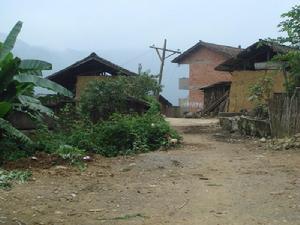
(161, 52)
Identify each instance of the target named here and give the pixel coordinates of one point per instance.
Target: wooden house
(247, 68)
(77, 76)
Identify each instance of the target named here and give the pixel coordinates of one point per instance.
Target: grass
(8, 177)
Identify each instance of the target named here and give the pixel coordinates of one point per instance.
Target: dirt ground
(211, 179)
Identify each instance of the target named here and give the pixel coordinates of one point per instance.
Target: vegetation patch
(120, 135)
(8, 177)
(114, 116)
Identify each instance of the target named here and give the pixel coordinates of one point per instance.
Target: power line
(136, 57)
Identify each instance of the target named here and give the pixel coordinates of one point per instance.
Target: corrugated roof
(228, 51)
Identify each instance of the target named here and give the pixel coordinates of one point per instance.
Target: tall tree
(290, 26)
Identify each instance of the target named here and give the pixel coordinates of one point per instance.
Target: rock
(263, 140)
(173, 141)
(95, 210)
(61, 167)
(87, 158)
(126, 169)
(132, 164)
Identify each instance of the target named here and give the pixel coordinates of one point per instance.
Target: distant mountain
(128, 59)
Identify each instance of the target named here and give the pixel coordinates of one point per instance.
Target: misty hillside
(128, 59)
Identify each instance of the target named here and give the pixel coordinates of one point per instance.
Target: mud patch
(39, 161)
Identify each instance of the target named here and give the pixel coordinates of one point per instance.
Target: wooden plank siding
(284, 115)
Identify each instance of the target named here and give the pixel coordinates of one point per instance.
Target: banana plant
(18, 78)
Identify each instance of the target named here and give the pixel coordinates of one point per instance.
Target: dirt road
(210, 179)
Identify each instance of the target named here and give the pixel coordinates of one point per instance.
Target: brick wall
(202, 72)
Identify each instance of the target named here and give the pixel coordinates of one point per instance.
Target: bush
(12, 149)
(123, 134)
(7, 177)
(70, 153)
(104, 97)
(120, 135)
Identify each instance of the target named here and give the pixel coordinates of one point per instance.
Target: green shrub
(104, 97)
(12, 149)
(130, 134)
(120, 135)
(154, 105)
(7, 177)
(70, 153)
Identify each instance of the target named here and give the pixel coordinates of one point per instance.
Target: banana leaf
(9, 130)
(35, 105)
(44, 83)
(10, 41)
(30, 64)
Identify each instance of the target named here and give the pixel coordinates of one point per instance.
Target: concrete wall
(241, 83)
(202, 72)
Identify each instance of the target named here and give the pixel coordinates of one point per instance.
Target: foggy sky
(127, 24)
(122, 30)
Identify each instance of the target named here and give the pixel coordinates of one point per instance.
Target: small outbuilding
(248, 67)
(216, 98)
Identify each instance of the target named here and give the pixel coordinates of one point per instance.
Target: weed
(70, 153)
(8, 177)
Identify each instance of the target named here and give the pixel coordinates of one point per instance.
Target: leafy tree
(291, 26)
(18, 78)
(104, 97)
(291, 60)
(260, 93)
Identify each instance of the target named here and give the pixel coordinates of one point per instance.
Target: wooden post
(162, 62)
(162, 58)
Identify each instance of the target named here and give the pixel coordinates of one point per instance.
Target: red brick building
(202, 59)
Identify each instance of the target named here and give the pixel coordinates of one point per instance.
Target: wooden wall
(213, 94)
(284, 115)
(241, 83)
